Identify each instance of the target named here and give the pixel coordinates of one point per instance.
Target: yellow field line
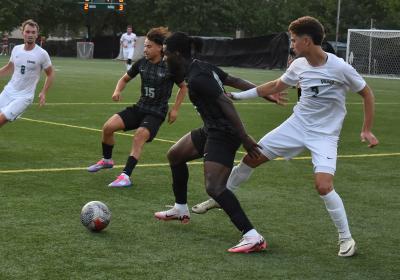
(88, 128)
(166, 164)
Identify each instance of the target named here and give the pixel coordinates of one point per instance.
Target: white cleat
(204, 206)
(347, 247)
(173, 214)
(249, 244)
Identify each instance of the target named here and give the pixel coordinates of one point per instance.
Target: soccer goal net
(84, 49)
(374, 53)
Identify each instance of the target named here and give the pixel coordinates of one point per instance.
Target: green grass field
(44, 184)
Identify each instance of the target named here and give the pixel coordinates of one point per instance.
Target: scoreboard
(111, 5)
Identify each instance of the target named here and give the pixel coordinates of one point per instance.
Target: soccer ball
(95, 215)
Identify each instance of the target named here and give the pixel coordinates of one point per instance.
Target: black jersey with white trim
(156, 86)
(205, 83)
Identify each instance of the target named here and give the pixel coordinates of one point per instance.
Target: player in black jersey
(217, 141)
(147, 115)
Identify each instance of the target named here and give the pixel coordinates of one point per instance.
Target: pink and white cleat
(173, 214)
(249, 244)
(101, 164)
(122, 181)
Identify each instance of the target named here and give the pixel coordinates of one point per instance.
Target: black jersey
(156, 88)
(205, 83)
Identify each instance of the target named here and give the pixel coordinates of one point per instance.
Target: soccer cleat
(122, 181)
(204, 206)
(173, 214)
(101, 164)
(347, 247)
(249, 244)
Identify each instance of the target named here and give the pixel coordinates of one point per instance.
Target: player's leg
(239, 174)
(12, 108)
(324, 154)
(3, 119)
(113, 124)
(146, 132)
(129, 58)
(220, 153)
(284, 140)
(189, 147)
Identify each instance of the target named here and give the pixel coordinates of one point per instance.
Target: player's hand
(230, 95)
(251, 146)
(116, 96)
(368, 136)
(279, 98)
(42, 99)
(172, 116)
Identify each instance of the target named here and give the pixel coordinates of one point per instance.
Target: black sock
(107, 150)
(228, 201)
(130, 165)
(180, 177)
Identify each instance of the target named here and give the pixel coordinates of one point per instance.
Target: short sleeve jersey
(322, 107)
(128, 39)
(27, 69)
(205, 82)
(156, 86)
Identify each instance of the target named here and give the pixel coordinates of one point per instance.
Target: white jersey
(128, 40)
(321, 107)
(27, 68)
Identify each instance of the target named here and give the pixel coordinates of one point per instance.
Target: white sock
(107, 159)
(251, 233)
(239, 174)
(181, 207)
(336, 210)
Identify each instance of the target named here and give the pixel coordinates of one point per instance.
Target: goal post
(374, 52)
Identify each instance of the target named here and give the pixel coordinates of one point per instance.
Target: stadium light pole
(337, 26)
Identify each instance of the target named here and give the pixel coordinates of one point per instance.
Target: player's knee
(108, 129)
(173, 156)
(214, 190)
(141, 136)
(323, 187)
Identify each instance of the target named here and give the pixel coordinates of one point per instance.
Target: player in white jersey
(26, 62)
(128, 43)
(316, 120)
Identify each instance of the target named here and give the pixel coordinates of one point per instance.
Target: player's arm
(369, 106)
(279, 98)
(7, 69)
(263, 90)
(180, 96)
(230, 112)
(120, 87)
(49, 71)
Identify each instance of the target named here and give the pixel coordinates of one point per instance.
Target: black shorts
(216, 146)
(134, 118)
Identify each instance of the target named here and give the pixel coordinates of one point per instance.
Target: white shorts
(127, 53)
(12, 107)
(291, 138)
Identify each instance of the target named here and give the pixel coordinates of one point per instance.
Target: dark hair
(183, 44)
(308, 26)
(158, 34)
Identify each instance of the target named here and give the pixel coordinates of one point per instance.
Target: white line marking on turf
(88, 128)
(167, 164)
